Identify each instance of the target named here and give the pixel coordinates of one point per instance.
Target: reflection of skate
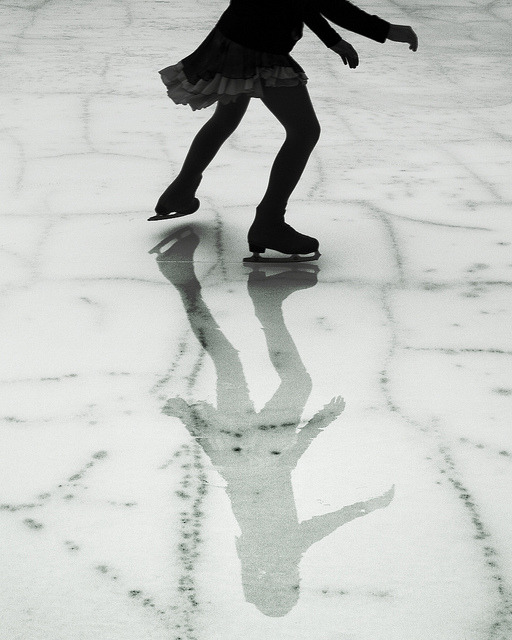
(177, 252)
(274, 288)
(176, 257)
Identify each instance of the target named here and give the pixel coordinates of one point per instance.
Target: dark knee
(307, 134)
(315, 131)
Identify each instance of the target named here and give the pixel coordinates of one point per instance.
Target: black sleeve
(319, 25)
(346, 15)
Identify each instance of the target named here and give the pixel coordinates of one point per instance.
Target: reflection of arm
(317, 424)
(189, 414)
(318, 527)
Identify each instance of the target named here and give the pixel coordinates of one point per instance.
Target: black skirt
(220, 70)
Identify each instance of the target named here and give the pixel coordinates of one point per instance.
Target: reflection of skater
(247, 55)
(256, 452)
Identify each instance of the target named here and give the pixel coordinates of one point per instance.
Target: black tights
(292, 107)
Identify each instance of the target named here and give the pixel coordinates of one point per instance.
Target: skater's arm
(348, 16)
(320, 27)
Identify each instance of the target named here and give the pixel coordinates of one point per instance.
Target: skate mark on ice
(448, 470)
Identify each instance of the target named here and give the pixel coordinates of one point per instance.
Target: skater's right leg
(204, 148)
(293, 109)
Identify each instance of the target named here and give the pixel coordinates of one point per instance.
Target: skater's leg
(293, 108)
(212, 136)
(204, 148)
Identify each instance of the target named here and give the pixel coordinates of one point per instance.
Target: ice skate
(172, 204)
(293, 257)
(282, 238)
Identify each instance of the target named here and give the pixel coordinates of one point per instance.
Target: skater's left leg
(203, 150)
(212, 136)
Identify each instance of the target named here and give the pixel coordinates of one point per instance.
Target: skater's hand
(403, 33)
(177, 408)
(347, 53)
(335, 406)
(329, 412)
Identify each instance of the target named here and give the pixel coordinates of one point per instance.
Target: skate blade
(179, 214)
(295, 257)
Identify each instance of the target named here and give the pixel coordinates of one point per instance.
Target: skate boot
(177, 200)
(273, 233)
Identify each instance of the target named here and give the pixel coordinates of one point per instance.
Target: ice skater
(247, 55)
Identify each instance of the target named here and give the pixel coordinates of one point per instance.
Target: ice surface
(194, 449)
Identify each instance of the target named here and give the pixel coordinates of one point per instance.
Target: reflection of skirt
(220, 70)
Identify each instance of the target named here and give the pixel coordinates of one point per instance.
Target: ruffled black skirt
(220, 70)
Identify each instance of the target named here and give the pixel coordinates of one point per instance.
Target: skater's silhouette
(255, 452)
(247, 55)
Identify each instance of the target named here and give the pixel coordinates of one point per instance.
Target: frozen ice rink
(196, 449)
